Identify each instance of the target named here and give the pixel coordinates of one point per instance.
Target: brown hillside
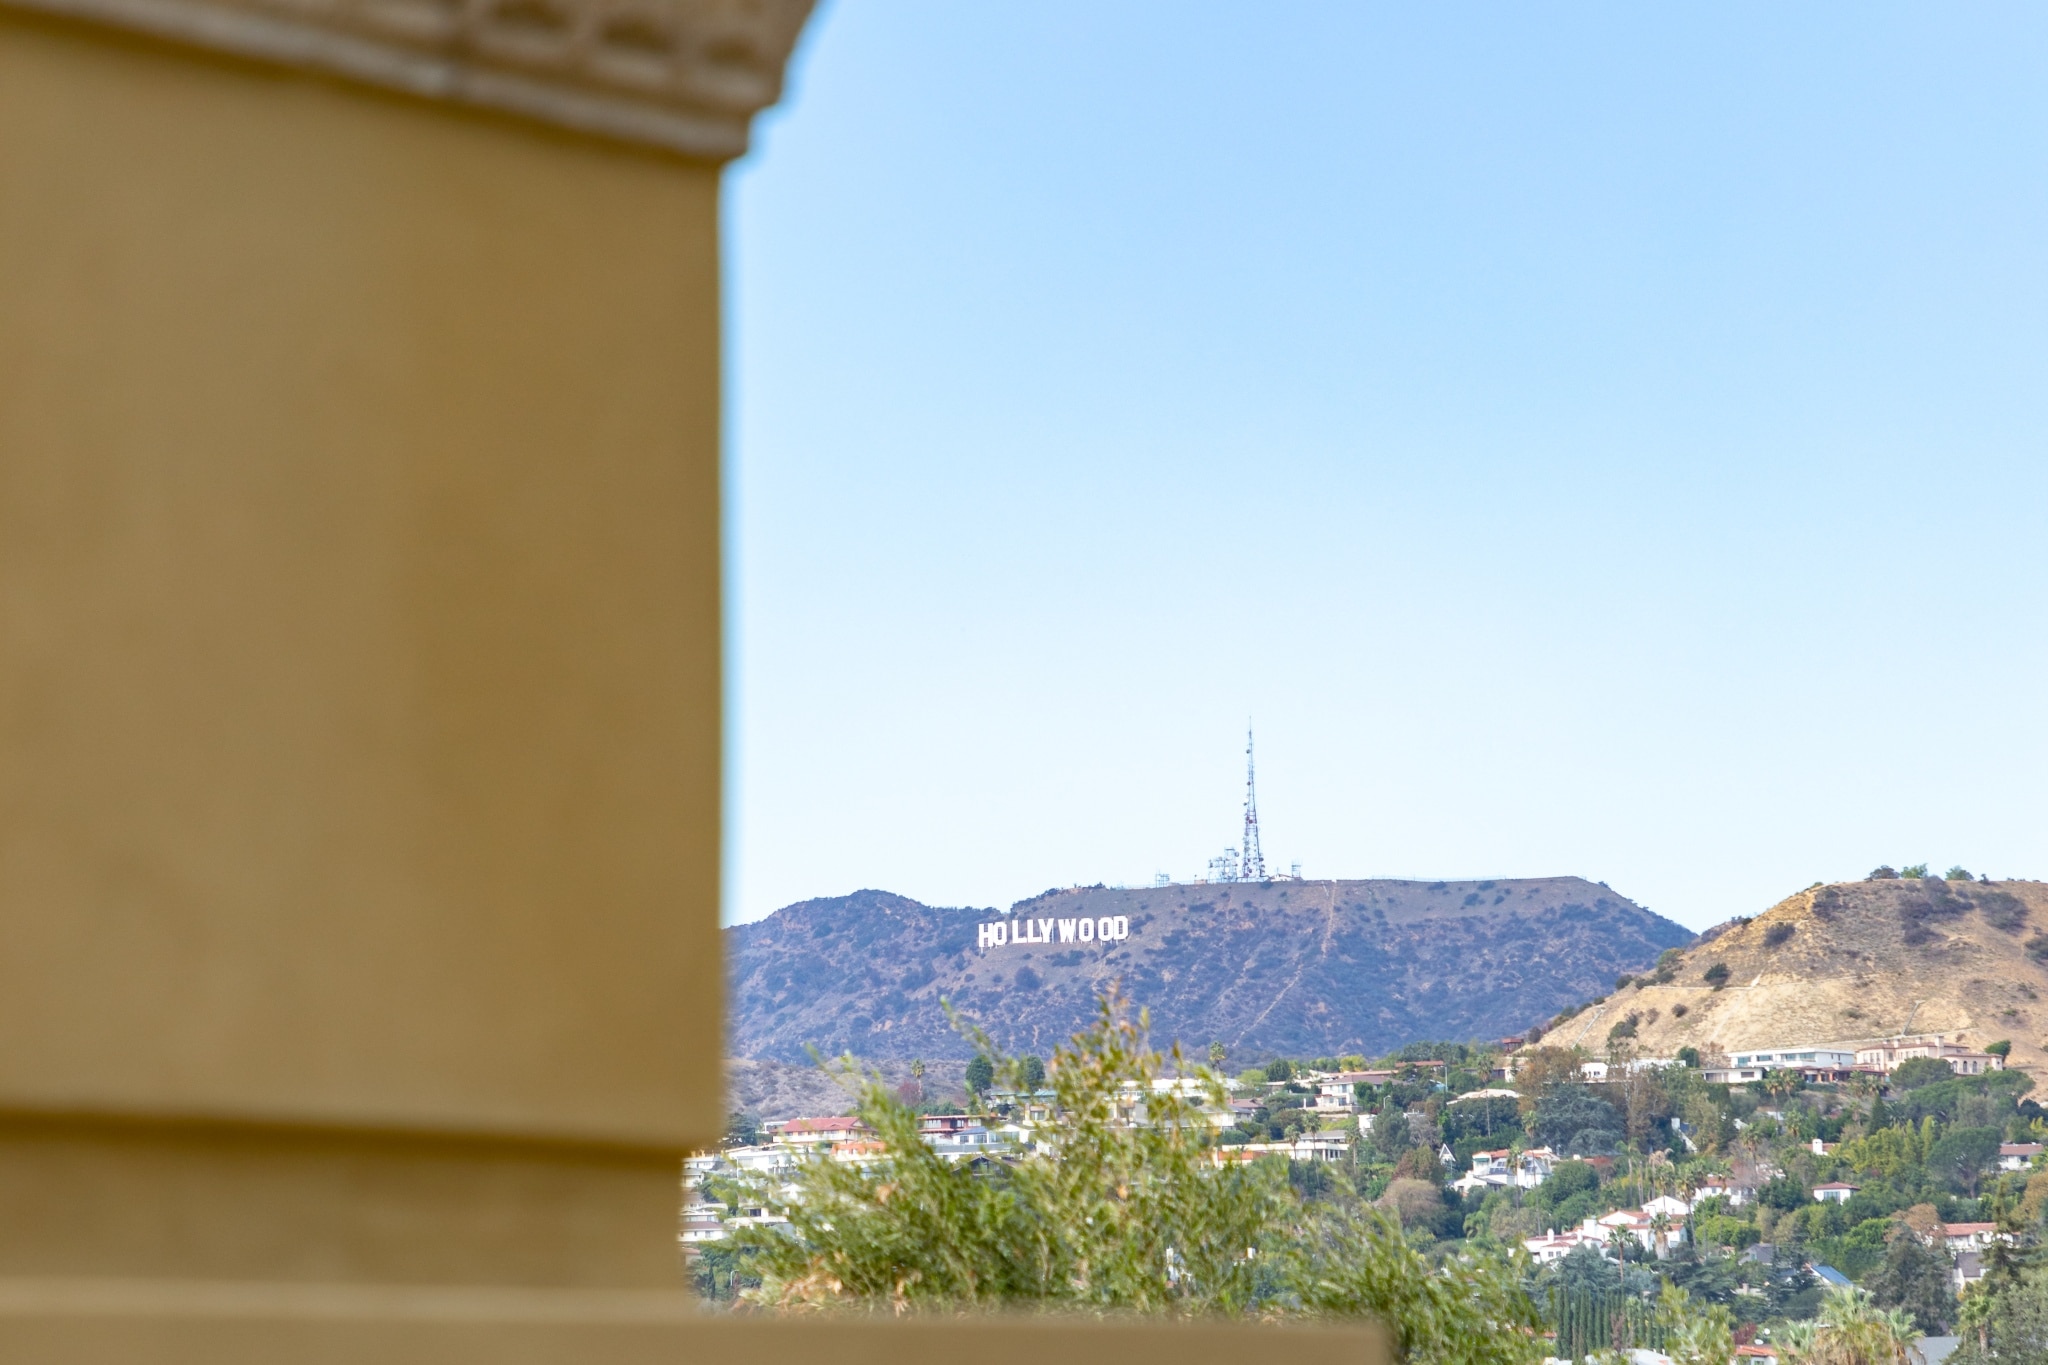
(1851, 961)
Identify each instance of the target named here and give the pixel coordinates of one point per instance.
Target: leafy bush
(1883, 873)
(1776, 935)
(1113, 1216)
(1917, 872)
(1719, 1229)
(1567, 1178)
(1716, 975)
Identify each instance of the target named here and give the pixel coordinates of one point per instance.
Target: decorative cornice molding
(687, 75)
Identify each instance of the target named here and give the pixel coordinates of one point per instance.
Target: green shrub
(1109, 1216)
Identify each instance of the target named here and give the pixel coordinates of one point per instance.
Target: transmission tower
(1252, 867)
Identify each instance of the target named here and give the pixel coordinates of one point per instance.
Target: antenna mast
(1252, 867)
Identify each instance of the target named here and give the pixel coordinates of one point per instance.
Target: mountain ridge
(1295, 968)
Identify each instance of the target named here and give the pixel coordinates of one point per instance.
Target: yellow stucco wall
(359, 674)
(359, 736)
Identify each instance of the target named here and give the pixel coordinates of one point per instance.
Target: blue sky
(1603, 440)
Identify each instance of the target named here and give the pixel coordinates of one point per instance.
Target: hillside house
(1835, 1192)
(1533, 1167)
(1666, 1205)
(1338, 1094)
(1551, 1247)
(822, 1134)
(1815, 1062)
(1328, 1146)
(1495, 1168)
(1597, 1233)
(1888, 1054)
(1641, 1226)
(960, 1144)
(1961, 1237)
(1722, 1187)
(703, 1223)
(2017, 1156)
(1969, 1269)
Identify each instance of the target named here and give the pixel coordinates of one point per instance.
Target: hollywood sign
(1007, 933)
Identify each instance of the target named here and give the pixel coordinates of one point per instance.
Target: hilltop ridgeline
(1844, 962)
(1293, 968)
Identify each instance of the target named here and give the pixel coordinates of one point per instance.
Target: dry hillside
(1851, 961)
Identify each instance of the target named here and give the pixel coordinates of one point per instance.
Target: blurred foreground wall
(359, 687)
(359, 659)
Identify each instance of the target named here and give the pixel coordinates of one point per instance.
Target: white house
(1666, 1205)
(1722, 1187)
(1637, 1224)
(1338, 1094)
(1814, 1061)
(1968, 1236)
(823, 1133)
(1533, 1167)
(1326, 1146)
(1835, 1192)
(1551, 1247)
(1494, 1168)
(959, 1144)
(2017, 1156)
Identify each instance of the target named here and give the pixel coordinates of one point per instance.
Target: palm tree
(1851, 1330)
(1621, 1241)
(1660, 1228)
(1780, 1082)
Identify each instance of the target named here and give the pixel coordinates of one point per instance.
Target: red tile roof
(841, 1123)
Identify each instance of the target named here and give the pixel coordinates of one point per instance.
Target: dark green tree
(1031, 1072)
(981, 1074)
(1279, 1069)
(2009, 1327)
(1961, 1155)
(1918, 1071)
(1915, 1277)
(1574, 1123)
